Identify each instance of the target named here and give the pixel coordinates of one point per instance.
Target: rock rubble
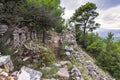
(7, 63)
(6, 68)
(70, 50)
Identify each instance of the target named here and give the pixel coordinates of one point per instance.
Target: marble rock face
(3, 29)
(29, 74)
(68, 35)
(7, 62)
(20, 35)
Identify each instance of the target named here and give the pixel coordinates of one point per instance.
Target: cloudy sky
(109, 11)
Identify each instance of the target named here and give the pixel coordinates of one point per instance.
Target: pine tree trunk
(30, 34)
(43, 37)
(84, 38)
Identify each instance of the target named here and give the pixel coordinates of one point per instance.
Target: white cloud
(68, 14)
(71, 6)
(109, 18)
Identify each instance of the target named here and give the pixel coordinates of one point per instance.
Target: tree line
(37, 15)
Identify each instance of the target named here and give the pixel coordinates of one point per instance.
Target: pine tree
(84, 18)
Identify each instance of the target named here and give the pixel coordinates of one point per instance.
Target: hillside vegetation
(40, 43)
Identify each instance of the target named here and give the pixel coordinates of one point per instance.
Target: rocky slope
(83, 63)
(36, 61)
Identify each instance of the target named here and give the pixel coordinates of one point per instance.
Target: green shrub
(6, 50)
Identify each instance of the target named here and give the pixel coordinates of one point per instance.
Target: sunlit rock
(29, 74)
(63, 72)
(7, 63)
(67, 53)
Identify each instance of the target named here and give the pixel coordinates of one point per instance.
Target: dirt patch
(56, 40)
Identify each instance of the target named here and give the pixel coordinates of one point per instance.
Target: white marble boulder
(7, 63)
(29, 74)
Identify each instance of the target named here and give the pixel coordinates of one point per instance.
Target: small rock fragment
(63, 72)
(67, 53)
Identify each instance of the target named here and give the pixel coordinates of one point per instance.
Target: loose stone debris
(7, 63)
(76, 73)
(6, 67)
(69, 36)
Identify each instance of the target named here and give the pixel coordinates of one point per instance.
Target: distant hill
(103, 33)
